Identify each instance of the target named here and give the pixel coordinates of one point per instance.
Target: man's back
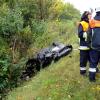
(95, 29)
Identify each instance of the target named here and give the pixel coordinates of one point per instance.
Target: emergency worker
(95, 44)
(82, 34)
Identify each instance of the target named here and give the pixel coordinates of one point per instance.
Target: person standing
(82, 34)
(95, 44)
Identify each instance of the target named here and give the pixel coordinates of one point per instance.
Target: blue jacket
(95, 35)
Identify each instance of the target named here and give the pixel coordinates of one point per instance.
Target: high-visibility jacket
(95, 33)
(94, 23)
(83, 27)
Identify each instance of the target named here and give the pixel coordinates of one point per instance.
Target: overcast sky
(83, 5)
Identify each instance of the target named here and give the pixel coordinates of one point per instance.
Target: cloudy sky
(83, 5)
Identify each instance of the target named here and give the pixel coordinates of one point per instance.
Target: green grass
(59, 81)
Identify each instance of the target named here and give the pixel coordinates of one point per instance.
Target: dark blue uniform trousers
(84, 58)
(94, 59)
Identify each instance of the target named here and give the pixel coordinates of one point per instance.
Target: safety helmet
(97, 9)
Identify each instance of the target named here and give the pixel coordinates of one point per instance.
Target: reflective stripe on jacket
(84, 48)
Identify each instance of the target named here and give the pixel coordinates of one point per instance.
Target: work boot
(82, 72)
(92, 76)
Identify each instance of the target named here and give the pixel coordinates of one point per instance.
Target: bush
(4, 70)
(11, 22)
(38, 28)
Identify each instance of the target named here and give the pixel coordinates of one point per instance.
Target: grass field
(59, 81)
